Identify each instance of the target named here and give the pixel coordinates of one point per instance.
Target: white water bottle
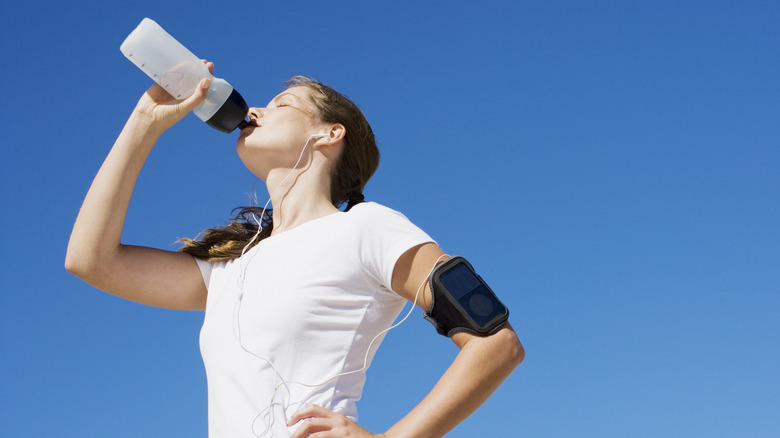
(178, 71)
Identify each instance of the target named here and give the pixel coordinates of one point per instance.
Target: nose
(256, 113)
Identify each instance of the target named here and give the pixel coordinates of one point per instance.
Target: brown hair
(357, 162)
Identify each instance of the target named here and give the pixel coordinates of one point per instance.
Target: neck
(299, 196)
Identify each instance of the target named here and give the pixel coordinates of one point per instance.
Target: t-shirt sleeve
(205, 271)
(382, 236)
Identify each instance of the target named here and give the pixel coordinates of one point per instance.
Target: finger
(311, 426)
(209, 65)
(310, 412)
(307, 412)
(197, 97)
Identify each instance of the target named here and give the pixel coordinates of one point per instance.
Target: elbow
(81, 263)
(76, 265)
(503, 347)
(513, 351)
(519, 355)
(515, 348)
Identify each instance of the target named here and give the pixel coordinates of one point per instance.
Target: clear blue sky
(612, 168)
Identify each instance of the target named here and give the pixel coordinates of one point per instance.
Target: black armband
(462, 301)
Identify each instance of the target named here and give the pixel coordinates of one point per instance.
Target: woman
(295, 307)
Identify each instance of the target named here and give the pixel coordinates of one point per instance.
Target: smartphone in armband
(462, 301)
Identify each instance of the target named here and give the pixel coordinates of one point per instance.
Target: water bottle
(178, 71)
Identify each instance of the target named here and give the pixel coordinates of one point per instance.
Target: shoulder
(372, 221)
(367, 207)
(371, 217)
(367, 211)
(381, 235)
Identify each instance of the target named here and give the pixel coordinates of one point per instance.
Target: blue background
(610, 167)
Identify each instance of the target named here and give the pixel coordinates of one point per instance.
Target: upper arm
(411, 271)
(150, 276)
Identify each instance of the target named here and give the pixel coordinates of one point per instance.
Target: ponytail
(353, 200)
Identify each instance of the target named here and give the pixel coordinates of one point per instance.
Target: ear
(332, 138)
(335, 133)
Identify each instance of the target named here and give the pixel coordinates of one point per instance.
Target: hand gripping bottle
(178, 71)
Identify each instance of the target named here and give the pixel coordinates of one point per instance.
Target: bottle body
(179, 71)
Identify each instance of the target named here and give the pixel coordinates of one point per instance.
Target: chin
(248, 162)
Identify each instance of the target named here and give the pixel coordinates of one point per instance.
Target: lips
(247, 128)
(252, 123)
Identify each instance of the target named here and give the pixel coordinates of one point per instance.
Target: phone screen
(459, 281)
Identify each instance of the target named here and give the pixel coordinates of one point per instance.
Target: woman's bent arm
(481, 366)
(95, 252)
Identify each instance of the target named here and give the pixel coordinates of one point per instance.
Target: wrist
(144, 124)
(138, 135)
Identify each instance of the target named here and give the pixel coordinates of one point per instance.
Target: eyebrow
(279, 97)
(303, 106)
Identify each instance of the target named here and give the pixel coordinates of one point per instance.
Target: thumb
(197, 97)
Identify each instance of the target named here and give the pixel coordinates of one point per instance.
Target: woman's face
(278, 132)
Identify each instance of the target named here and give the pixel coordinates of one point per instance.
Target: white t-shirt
(314, 297)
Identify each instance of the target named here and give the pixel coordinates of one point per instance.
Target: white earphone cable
(237, 309)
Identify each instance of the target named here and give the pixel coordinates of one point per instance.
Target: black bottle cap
(231, 114)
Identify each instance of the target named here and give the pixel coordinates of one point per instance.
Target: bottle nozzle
(243, 124)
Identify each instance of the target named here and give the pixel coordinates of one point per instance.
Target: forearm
(98, 229)
(477, 371)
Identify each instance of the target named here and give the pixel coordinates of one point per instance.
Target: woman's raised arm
(95, 251)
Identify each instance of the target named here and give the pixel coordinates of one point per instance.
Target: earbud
(320, 135)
